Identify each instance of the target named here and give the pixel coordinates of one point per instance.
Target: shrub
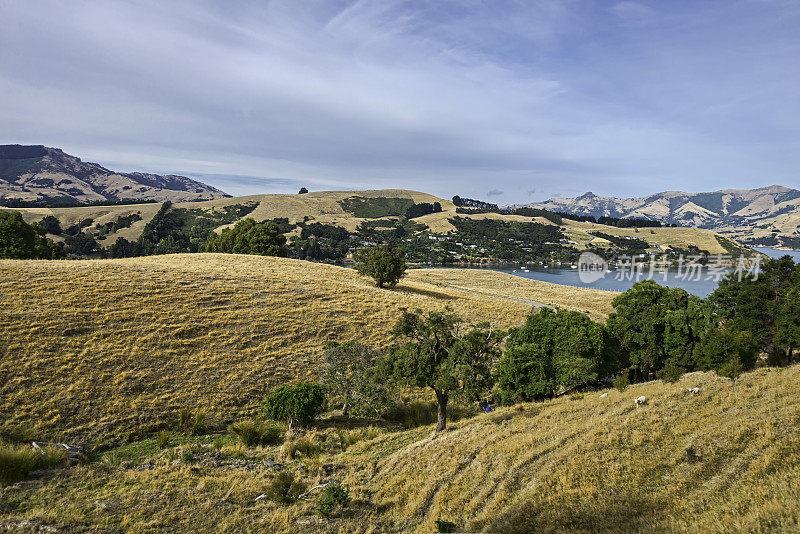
(621, 383)
(385, 264)
(284, 488)
(671, 373)
(252, 433)
(445, 526)
(190, 422)
(301, 402)
(302, 446)
(333, 496)
(17, 461)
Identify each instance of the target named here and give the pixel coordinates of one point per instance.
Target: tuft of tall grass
(253, 433)
(16, 461)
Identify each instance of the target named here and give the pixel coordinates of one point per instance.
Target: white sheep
(694, 391)
(604, 395)
(640, 401)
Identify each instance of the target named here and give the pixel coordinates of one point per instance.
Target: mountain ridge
(766, 215)
(37, 173)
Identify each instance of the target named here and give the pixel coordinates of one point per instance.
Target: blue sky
(508, 101)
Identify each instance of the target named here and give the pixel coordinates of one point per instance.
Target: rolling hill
(35, 173)
(334, 207)
(107, 352)
(768, 215)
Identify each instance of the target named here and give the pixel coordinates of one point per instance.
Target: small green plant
(110, 460)
(576, 396)
(621, 383)
(301, 403)
(333, 497)
(164, 440)
(190, 422)
(285, 487)
(671, 373)
(253, 433)
(445, 526)
(187, 456)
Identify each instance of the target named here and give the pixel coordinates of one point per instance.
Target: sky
(506, 101)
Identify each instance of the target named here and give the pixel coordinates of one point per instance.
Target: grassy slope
(101, 350)
(105, 349)
(323, 206)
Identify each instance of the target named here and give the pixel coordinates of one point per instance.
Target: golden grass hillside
(723, 461)
(104, 350)
(324, 207)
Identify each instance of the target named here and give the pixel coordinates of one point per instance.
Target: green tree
(20, 240)
(51, 225)
(720, 344)
(732, 369)
(756, 303)
(437, 353)
(302, 191)
(300, 402)
(656, 325)
(248, 237)
(385, 264)
(350, 371)
(555, 352)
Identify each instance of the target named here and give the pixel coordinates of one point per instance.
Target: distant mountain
(39, 173)
(768, 215)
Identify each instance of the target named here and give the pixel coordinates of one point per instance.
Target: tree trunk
(346, 409)
(441, 400)
(789, 356)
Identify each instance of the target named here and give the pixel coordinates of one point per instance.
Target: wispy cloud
(532, 96)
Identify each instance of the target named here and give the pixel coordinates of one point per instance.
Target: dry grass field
(107, 352)
(102, 350)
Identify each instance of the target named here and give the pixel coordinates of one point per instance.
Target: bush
(301, 402)
(252, 433)
(671, 373)
(248, 237)
(284, 488)
(333, 496)
(17, 461)
(302, 446)
(190, 422)
(385, 264)
(621, 383)
(445, 526)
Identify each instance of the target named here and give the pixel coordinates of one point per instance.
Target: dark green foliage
(320, 242)
(301, 402)
(122, 248)
(164, 440)
(445, 526)
(435, 352)
(627, 244)
(513, 241)
(82, 244)
(333, 497)
(720, 344)
(423, 208)
(472, 203)
(350, 371)
(75, 229)
(671, 373)
(284, 488)
(302, 191)
(555, 352)
(760, 306)
(385, 264)
(374, 208)
(655, 324)
(621, 383)
(20, 240)
(252, 433)
(248, 237)
(524, 212)
(51, 225)
(122, 222)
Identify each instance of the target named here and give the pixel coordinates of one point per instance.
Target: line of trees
(654, 332)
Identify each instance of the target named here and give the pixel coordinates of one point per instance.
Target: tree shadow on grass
(424, 292)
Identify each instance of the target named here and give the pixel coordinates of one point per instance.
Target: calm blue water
(614, 281)
(775, 253)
